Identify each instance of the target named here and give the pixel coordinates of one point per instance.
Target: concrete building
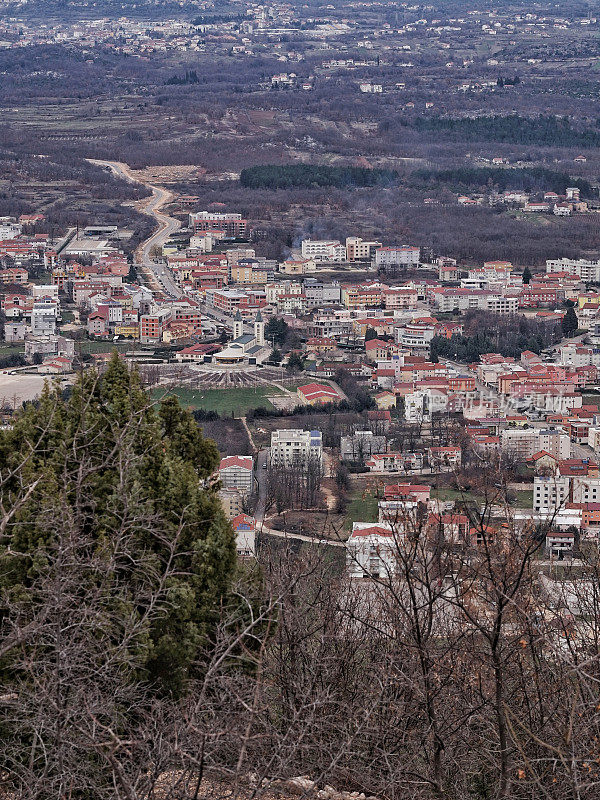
(323, 250)
(371, 550)
(245, 535)
(14, 331)
(550, 492)
(359, 250)
(586, 269)
(152, 325)
(236, 472)
(321, 294)
(294, 446)
(503, 305)
(43, 317)
(51, 345)
(403, 255)
(523, 443)
(232, 225)
(232, 501)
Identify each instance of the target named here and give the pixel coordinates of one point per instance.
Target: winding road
(159, 274)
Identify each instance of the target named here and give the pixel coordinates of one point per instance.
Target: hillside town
(299, 400)
(440, 366)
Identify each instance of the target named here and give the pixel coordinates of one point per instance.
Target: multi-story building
(523, 443)
(245, 535)
(415, 337)
(44, 316)
(534, 296)
(359, 250)
(294, 446)
(323, 250)
(395, 462)
(403, 255)
(371, 551)
(152, 325)
(236, 472)
(321, 294)
(226, 300)
(232, 501)
(51, 345)
(362, 295)
(231, 224)
(9, 228)
(400, 297)
(447, 300)
(503, 305)
(586, 269)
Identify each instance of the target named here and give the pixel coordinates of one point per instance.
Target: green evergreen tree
(276, 330)
(526, 275)
(569, 322)
(106, 463)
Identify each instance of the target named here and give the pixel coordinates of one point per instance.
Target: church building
(245, 348)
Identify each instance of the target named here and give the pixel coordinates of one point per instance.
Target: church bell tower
(259, 330)
(238, 325)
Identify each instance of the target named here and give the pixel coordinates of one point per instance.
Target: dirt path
(245, 424)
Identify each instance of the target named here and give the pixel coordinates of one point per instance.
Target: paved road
(159, 274)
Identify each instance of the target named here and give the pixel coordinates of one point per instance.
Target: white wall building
(236, 472)
(295, 446)
(587, 270)
(323, 250)
(43, 317)
(397, 256)
(371, 550)
(549, 492)
(525, 442)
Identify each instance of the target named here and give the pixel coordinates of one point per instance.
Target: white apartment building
(586, 490)
(461, 299)
(321, 294)
(43, 317)
(46, 290)
(550, 492)
(594, 439)
(579, 355)
(9, 229)
(371, 550)
(273, 290)
(525, 442)
(295, 446)
(236, 472)
(587, 270)
(205, 215)
(422, 404)
(417, 338)
(323, 250)
(202, 242)
(397, 256)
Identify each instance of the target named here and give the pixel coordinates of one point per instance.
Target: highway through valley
(159, 275)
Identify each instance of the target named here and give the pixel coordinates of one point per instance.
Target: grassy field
(89, 346)
(223, 401)
(361, 510)
(12, 349)
(454, 494)
(524, 498)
